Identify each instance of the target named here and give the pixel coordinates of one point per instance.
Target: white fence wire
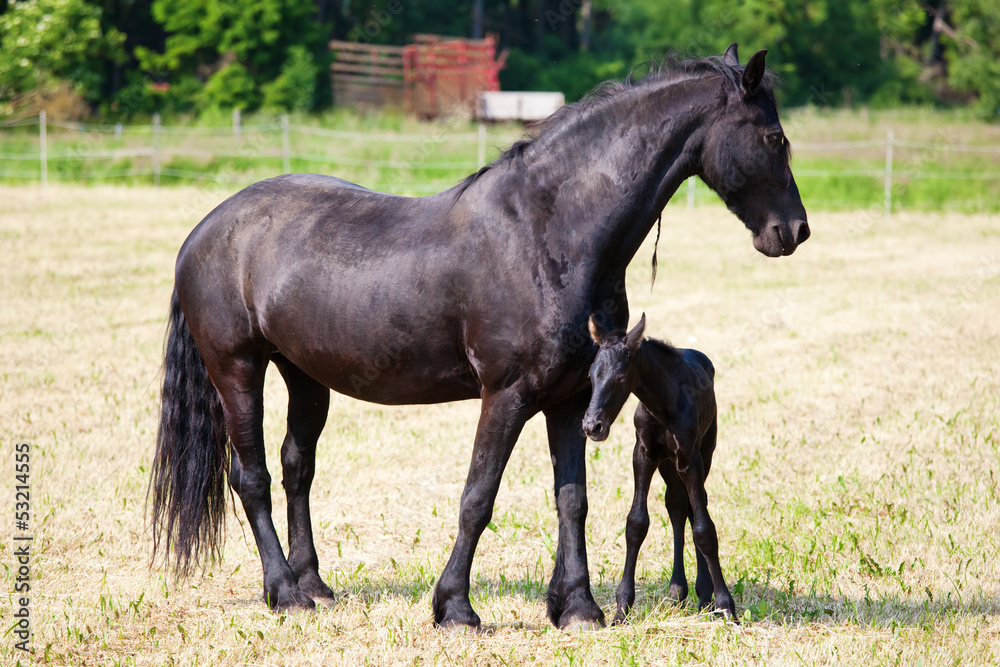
(18, 165)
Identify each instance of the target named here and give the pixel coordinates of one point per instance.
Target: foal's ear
(634, 337)
(729, 57)
(597, 333)
(753, 73)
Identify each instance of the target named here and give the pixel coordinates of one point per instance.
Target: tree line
(116, 58)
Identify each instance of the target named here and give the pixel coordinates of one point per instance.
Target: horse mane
(665, 71)
(663, 349)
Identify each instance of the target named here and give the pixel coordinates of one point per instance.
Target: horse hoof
(619, 619)
(290, 603)
(728, 616)
(458, 629)
(677, 593)
(325, 602)
(293, 609)
(577, 624)
(314, 587)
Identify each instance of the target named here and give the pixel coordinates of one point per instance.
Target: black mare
(676, 429)
(481, 291)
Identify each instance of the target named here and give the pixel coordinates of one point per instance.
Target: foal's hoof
(580, 624)
(728, 615)
(677, 593)
(621, 618)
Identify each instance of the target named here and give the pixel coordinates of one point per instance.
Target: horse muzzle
(779, 239)
(596, 428)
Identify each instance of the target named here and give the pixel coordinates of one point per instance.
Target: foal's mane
(663, 72)
(663, 349)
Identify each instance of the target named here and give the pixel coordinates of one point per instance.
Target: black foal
(676, 430)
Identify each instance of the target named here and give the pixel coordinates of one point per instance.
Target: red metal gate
(431, 77)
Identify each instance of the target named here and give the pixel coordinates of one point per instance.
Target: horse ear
(729, 57)
(634, 337)
(597, 333)
(753, 73)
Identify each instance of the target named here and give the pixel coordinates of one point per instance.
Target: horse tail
(191, 465)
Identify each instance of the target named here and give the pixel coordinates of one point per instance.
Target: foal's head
(612, 376)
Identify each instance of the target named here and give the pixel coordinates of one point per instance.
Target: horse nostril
(800, 230)
(593, 429)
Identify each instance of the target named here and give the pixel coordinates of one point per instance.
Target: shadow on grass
(758, 601)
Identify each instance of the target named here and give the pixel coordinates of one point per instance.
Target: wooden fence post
(690, 192)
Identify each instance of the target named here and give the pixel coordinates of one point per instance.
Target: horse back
(384, 298)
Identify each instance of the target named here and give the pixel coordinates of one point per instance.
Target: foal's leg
(308, 405)
(500, 422)
(241, 387)
(636, 527)
(692, 470)
(703, 585)
(676, 500)
(570, 601)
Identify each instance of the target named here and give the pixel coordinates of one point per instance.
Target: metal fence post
(156, 149)
(237, 123)
(887, 186)
(43, 153)
(286, 153)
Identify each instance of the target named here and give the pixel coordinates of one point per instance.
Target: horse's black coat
(481, 291)
(676, 429)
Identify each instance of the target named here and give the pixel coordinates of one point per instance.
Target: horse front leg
(500, 422)
(570, 601)
(636, 528)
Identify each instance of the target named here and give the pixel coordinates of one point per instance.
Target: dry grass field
(855, 486)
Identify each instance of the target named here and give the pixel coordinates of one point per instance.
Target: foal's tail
(190, 467)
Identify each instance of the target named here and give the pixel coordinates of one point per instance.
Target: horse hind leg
(241, 383)
(704, 586)
(308, 406)
(678, 508)
(705, 536)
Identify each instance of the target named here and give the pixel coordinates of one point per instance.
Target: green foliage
(229, 88)
(826, 51)
(574, 74)
(45, 42)
(235, 53)
(295, 87)
(182, 56)
(976, 63)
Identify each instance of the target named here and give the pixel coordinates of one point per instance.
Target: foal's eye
(774, 139)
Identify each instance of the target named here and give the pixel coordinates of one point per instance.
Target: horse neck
(609, 174)
(655, 383)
